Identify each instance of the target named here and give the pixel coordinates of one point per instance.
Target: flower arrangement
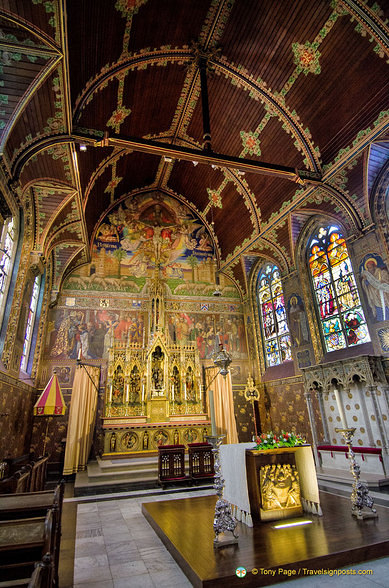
(283, 439)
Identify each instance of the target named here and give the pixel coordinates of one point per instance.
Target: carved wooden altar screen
(154, 392)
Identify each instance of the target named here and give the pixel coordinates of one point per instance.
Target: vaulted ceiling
(296, 93)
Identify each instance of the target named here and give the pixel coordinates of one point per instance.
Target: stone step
(142, 463)
(345, 477)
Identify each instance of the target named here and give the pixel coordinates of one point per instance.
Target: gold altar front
(273, 483)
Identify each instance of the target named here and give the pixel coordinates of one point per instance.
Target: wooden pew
(23, 543)
(38, 474)
(17, 483)
(36, 504)
(15, 463)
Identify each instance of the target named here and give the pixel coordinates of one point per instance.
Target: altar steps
(105, 476)
(340, 482)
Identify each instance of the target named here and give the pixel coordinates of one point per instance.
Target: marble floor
(116, 548)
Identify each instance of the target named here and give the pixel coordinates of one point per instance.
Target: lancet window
(30, 323)
(7, 246)
(342, 319)
(272, 312)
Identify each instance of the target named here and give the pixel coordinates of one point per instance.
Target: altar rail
(335, 456)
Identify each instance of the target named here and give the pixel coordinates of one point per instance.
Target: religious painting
(90, 333)
(148, 232)
(303, 359)
(298, 322)
(208, 331)
(383, 336)
(375, 283)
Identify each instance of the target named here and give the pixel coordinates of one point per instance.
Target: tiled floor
(117, 548)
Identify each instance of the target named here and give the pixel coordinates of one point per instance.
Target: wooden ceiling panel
(231, 111)
(231, 222)
(95, 31)
(277, 146)
(152, 95)
(17, 76)
(53, 164)
(135, 170)
(266, 31)
(193, 181)
(356, 83)
(89, 161)
(39, 118)
(176, 21)
(43, 15)
(270, 193)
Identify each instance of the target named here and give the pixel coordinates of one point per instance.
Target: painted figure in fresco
(298, 324)
(376, 285)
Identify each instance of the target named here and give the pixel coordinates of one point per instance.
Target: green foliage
(271, 440)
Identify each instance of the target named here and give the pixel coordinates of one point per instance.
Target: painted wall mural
(208, 330)
(91, 332)
(298, 322)
(146, 232)
(375, 282)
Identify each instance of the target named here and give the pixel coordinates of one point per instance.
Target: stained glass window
(30, 323)
(7, 242)
(342, 318)
(273, 316)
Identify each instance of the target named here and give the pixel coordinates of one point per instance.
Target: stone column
(308, 398)
(319, 395)
(365, 414)
(381, 427)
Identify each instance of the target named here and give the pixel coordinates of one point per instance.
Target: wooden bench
(13, 464)
(24, 544)
(33, 505)
(38, 474)
(17, 483)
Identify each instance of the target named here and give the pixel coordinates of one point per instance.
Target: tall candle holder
(360, 497)
(223, 519)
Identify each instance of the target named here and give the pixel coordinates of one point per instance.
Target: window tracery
(7, 245)
(275, 328)
(342, 319)
(30, 323)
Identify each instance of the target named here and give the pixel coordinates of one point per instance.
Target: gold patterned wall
(16, 414)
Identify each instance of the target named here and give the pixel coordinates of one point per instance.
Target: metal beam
(178, 153)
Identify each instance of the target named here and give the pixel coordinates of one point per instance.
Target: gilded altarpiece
(154, 392)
